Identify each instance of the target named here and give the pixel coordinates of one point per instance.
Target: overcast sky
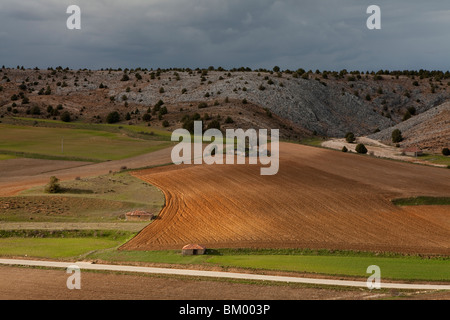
(309, 34)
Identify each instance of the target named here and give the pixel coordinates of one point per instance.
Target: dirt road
(218, 274)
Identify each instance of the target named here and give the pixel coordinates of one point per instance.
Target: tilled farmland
(319, 199)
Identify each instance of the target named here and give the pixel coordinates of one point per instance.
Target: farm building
(413, 152)
(193, 249)
(138, 216)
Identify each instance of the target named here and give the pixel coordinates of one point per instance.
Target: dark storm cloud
(313, 34)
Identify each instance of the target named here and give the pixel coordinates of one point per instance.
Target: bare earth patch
(37, 172)
(27, 283)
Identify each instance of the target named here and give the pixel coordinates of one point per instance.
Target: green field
(6, 157)
(436, 158)
(422, 201)
(76, 144)
(62, 245)
(146, 131)
(391, 268)
(337, 263)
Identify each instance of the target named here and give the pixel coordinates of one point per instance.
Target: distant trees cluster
(422, 74)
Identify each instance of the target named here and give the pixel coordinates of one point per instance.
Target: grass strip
(422, 201)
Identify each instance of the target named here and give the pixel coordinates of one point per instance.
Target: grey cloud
(313, 34)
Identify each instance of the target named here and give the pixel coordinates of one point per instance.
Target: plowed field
(319, 199)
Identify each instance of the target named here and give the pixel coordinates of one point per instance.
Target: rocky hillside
(299, 103)
(429, 130)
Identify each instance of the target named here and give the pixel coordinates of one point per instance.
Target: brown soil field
(41, 284)
(319, 199)
(22, 174)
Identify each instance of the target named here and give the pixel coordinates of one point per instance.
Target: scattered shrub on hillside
(163, 111)
(113, 117)
(350, 137)
(166, 124)
(146, 117)
(65, 116)
(397, 136)
(202, 105)
(125, 77)
(161, 90)
(159, 104)
(406, 116)
(188, 124)
(215, 124)
(53, 186)
(446, 152)
(378, 78)
(361, 148)
(229, 120)
(244, 101)
(128, 116)
(35, 110)
(412, 110)
(344, 149)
